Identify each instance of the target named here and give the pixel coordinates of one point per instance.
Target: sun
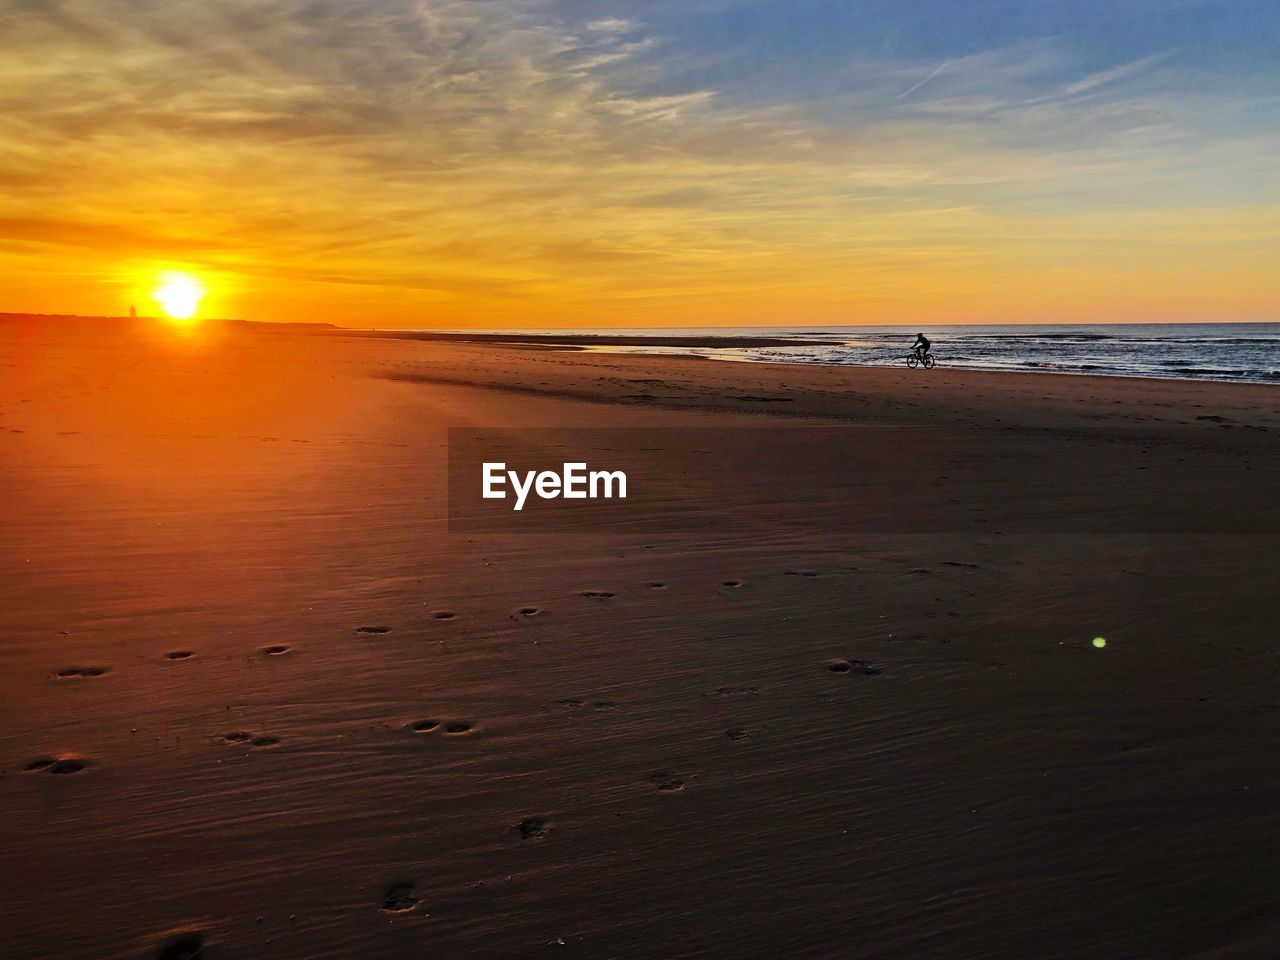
(179, 294)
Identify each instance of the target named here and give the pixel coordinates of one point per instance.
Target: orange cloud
(447, 164)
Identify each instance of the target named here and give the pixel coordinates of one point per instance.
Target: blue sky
(576, 161)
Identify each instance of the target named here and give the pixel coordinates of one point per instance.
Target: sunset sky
(692, 162)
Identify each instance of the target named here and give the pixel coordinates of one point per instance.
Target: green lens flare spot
(1099, 642)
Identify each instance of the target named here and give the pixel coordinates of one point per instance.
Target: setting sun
(179, 295)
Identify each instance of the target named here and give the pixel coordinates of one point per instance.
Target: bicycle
(915, 359)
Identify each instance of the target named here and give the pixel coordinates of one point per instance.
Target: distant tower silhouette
(133, 311)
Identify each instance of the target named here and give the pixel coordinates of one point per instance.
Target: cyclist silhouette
(921, 346)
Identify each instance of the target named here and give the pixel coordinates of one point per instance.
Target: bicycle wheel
(929, 362)
(913, 361)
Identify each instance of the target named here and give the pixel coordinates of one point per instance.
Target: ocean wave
(1203, 352)
(1033, 337)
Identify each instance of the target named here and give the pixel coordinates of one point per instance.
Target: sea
(1202, 351)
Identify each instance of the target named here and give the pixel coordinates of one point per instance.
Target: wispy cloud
(505, 162)
(611, 25)
(931, 74)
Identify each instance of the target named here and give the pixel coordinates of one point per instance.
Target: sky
(524, 163)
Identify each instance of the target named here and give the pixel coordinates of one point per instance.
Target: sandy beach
(826, 686)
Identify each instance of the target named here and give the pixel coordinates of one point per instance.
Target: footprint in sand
(184, 946)
(736, 691)
(59, 765)
(373, 629)
(576, 702)
(598, 594)
(71, 673)
(665, 782)
(275, 650)
(399, 897)
(444, 614)
(180, 654)
(424, 726)
(841, 665)
(533, 828)
(243, 736)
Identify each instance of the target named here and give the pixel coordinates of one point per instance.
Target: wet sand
(583, 339)
(258, 699)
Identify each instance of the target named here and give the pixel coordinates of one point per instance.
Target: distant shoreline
(111, 322)
(529, 339)
(590, 339)
(1220, 352)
